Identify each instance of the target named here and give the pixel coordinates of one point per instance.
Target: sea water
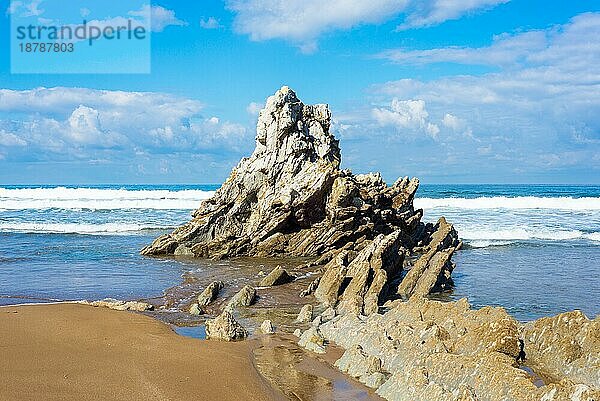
(534, 250)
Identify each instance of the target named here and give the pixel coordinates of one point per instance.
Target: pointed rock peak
(288, 126)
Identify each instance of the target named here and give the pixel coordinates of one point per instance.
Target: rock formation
(378, 263)
(244, 297)
(210, 293)
(225, 327)
(291, 198)
(429, 350)
(277, 276)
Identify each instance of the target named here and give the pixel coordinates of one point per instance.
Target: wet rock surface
(225, 327)
(277, 276)
(136, 306)
(210, 293)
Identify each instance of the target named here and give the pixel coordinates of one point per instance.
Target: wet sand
(78, 352)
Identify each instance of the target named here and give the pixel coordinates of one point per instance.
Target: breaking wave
(505, 202)
(99, 199)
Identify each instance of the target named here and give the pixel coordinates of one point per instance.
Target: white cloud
(210, 23)
(431, 12)
(8, 139)
(254, 108)
(506, 50)
(32, 9)
(76, 122)
(302, 22)
(544, 101)
(160, 17)
(406, 116)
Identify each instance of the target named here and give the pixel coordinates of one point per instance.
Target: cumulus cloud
(77, 122)
(303, 22)
(7, 139)
(407, 116)
(542, 100)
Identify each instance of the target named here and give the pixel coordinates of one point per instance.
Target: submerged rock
(225, 327)
(267, 327)
(110, 303)
(277, 276)
(244, 297)
(210, 293)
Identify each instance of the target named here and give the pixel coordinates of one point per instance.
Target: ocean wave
(79, 228)
(99, 199)
(481, 236)
(505, 202)
(488, 243)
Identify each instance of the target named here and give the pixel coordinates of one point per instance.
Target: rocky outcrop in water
(377, 265)
(210, 293)
(291, 198)
(277, 276)
(136, 306)
(225, 328)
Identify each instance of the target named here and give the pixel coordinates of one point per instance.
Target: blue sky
(469, 91)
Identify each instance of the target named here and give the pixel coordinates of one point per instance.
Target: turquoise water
(531, 249)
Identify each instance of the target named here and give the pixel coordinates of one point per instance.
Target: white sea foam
(99, 199)
(504, 202)
(77, 228)
(484, 243)
(478, 237)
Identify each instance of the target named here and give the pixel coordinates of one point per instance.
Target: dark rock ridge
(291, 198)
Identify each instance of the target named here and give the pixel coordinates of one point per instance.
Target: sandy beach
(78, 352)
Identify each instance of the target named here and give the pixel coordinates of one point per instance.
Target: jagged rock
(267, 327)
(225, 327)
(306, 314)
(565, 346)
(431, 272)
(244, 297)
(444, 351)
(110, 303)
(277, 276)
(313, 340)
(196, 310)
(210, 293)
(311, 288)
(358, 282)
(290, 197)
